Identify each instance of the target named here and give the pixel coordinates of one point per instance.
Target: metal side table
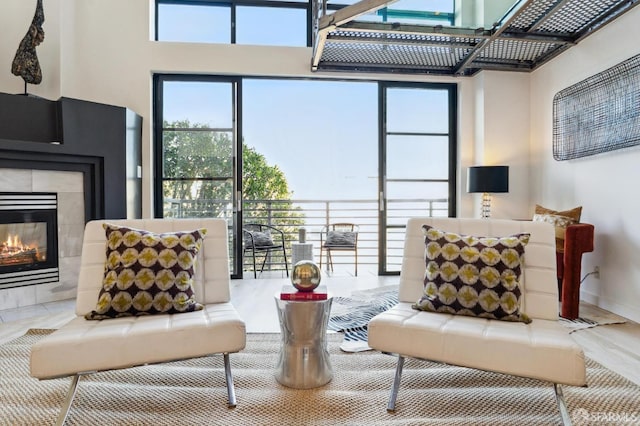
(304, 362)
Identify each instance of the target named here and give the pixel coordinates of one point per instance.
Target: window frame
(158, 155)
(233, 4)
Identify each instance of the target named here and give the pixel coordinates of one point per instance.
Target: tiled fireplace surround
(70, 189)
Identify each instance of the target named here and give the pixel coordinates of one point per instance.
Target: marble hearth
(71, 219)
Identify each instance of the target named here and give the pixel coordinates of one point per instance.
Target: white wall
(100, 51)
(606, 185)
(502, 138)
(105, 55)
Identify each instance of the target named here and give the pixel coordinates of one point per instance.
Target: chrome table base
(303, 362)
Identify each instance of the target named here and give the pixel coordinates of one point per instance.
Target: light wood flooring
(616, 346)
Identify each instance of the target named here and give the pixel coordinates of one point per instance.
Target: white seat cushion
(541, 350)
(83, 345)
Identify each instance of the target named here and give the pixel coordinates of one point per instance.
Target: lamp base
(486, 205)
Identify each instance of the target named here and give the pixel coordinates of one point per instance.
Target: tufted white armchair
(83, 346)
(541, 350)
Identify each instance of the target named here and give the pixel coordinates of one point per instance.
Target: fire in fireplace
(28, 239)
(23, 243)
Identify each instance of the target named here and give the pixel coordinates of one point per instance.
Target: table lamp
(488, 180)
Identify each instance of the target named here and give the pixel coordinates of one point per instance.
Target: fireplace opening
(28, 239)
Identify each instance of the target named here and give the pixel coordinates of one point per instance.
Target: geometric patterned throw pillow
(473, 276)
(148, 273)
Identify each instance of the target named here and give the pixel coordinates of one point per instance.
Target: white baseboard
(632, 313)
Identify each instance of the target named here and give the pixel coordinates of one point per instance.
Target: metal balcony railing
(291, 215)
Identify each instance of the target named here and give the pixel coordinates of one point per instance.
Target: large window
(298, 152)
(275, 22)
(257, 22)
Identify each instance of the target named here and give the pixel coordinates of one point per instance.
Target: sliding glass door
(417, 160)
(196, 175)
(305, 153)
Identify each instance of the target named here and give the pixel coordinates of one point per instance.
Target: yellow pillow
(560, 220)
(572, 213)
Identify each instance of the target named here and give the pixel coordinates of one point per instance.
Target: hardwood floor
(616, 346)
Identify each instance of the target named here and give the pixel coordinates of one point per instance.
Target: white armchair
(542, 349)
(86, 346)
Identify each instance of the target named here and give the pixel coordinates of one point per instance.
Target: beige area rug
(193, 392)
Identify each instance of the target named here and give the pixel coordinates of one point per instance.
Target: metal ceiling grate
(533, 32)
(527, 17)
(403, 56)
(516, 50)
(575, 15)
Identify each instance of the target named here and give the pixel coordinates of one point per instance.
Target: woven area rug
(351, 315)
(193, 392)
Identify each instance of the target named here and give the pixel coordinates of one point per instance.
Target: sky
(322, 134)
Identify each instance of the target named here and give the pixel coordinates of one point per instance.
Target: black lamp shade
(488, 179)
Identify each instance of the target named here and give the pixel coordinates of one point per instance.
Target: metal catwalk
(529, 34)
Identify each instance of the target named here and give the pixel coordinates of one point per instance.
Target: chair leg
(564, 413)
(286, 266)
(66, 405)
(391, 405)
(329, 261)
(264, 261)
(229, 378)
(356, 262)
(255, 271)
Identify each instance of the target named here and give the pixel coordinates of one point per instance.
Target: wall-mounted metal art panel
(598, 114)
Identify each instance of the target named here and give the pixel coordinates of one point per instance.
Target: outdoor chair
(259, 238)
(339, 237)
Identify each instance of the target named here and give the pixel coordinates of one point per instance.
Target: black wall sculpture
(598, 114)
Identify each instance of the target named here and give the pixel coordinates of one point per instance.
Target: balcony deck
(290, 215)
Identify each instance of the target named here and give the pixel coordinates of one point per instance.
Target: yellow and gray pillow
(148, 273)
(560, 220)
(473, 275)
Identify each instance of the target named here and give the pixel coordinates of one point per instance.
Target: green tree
(198, 179)
(198, 172)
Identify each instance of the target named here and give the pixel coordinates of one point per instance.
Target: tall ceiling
(528, 35)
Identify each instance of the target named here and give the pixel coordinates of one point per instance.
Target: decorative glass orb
(305, 275)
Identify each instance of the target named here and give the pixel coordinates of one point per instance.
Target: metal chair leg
(255, 271)
(264, 261)
(391, 405)
(564, 413)
(356, 262)
(284, 253)
(66, 405)
(230, 388)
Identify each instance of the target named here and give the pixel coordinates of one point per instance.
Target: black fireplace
(28, 239)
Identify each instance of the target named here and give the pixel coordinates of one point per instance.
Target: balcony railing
(291, 215)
